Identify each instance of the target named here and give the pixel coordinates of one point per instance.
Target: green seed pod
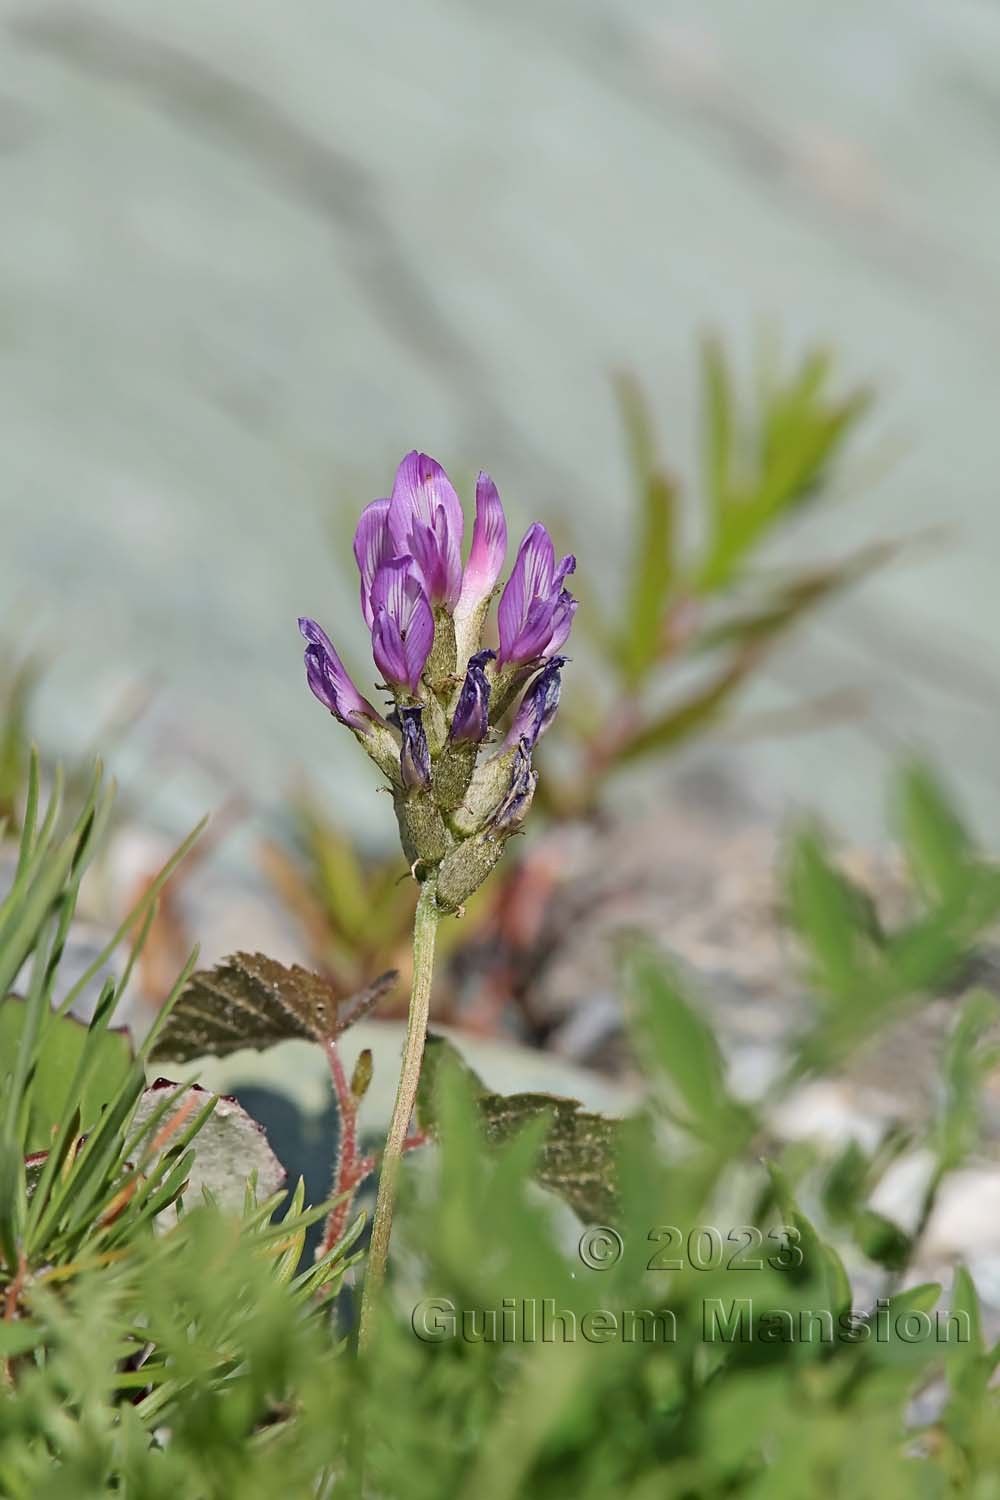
(463, 871)
(453, 772)
(421, 828)
(487, 789)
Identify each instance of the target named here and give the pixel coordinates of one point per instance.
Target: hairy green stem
(424, 932)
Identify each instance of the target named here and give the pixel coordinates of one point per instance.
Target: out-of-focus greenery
(716, 1350)
(704, 607)
(107, 1308)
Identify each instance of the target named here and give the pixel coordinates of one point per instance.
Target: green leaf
(819, 1262)
(254, 1001)
(682, 1049)
(718, 422)
(834, 918)
(939, 851)
(577, 1158)
(881, 1240)
(966, 1063)
(66, 1040)
(649, 584)
(19, 1338)
(692, 715)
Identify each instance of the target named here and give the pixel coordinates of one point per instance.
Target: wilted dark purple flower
(329, 680)
(536, 612)
(538, 706)
(402, 623)
(414, 757)
(471, 719)
(515, 804)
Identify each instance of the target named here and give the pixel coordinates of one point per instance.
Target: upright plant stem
(424, 932)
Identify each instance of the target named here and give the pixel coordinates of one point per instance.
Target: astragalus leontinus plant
(461, 787)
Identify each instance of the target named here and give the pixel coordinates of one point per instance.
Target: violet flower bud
(471, 720)
(486, 558)
(330, 681)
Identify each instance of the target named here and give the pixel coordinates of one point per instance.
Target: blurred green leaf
(690, 716)
(718, 436)
(680, 1049)
(835, 919)
(958, 1124)
(649, 584)
(938, 849)
(66, 1040)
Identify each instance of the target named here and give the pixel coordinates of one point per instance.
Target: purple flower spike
(414, 757)
(372, 547)
(403, 625)
(535, 612)
(330, 682)
(489, 548)
(426, 523)
(538, 706)
(472, 713)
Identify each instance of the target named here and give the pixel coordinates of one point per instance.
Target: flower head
(426, 614)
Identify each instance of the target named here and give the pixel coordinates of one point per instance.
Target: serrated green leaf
(254, 1001)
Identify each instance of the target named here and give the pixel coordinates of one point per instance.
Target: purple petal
(403, 629)
(372, 547)
(414, 756)
(562, 622)
(524, 611)
(388, 649)
(430, 559)
(423, 495)
(472, 713)
(489, 548)
(330, 681)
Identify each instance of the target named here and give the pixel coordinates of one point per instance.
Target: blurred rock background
(252, 253)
